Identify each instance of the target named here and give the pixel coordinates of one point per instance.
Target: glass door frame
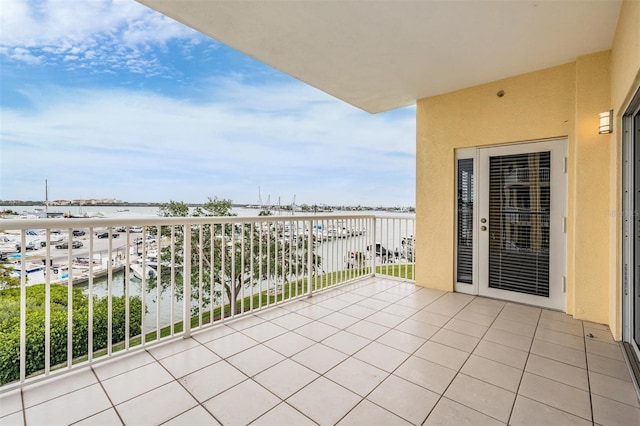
(630, 270)
(479, 286)
(463, 287)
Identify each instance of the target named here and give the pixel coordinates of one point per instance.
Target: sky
(110, 99)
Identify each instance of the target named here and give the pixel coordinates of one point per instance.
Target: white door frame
(630, 268)
(557, 255)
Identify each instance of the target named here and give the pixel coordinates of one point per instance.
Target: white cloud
(49, 22)
(97, 30)
(143, 146)
(24, 55)
(224, 137)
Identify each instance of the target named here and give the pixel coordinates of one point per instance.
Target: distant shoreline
(123, 204)
(21, 203)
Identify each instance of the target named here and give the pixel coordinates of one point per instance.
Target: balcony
(348, 338)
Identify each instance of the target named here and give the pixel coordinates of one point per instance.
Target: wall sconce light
(606, 122)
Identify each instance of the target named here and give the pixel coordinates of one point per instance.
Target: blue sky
(109, 99)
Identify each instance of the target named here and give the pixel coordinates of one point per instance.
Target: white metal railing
(132, 288)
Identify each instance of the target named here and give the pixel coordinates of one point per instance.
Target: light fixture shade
(606, 122)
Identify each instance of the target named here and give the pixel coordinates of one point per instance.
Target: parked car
(54, 237)
(78, 232)
(3, 257)
(106, 235)
(65, 245)
(31, 245)
(135, 229)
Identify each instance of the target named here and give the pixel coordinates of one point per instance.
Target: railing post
(373, 248)
(310, 259)
(232, 302)
(47, 309)
(70, 302)
(186, 315)
(23, 307)
(413, 249)
(109, 291)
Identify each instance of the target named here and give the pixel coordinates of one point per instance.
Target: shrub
(35, 327)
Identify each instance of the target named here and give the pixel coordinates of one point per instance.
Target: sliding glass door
(631, 231)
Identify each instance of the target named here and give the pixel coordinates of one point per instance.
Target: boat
(7, 243)
(139, 270)
(36, 273)
(382, 252)
(85, 262)
(407, 247)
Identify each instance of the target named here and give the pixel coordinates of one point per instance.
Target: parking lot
(100, 246)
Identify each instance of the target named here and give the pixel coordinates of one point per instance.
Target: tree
(215, 207)
(227, 257)
(7, 279)
(174, 209)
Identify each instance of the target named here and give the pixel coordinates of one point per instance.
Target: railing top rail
(407, 216)
(68, 223)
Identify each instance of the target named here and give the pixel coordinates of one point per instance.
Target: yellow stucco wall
(476, 117)
(625, 82)
(555, 102)
(560, 101)
(625, 56)
(591, 171)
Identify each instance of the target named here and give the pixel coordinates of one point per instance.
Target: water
(152, 211)
(101, 289)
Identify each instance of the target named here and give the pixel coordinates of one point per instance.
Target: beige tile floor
(374, 352)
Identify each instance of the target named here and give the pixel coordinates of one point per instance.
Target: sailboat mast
(46, 196)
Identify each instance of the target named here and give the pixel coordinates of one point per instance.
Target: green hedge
(35, 332)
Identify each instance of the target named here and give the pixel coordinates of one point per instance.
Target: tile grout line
(465, 361)
(586, 361)
(289, 358)
(176, 380)
(556, 381)
(350, 356)
(316, 342)
(389, 374)
(107, 395)
(24, 409)
(524, 368)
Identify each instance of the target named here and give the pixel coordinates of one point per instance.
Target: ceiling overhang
(381, 55)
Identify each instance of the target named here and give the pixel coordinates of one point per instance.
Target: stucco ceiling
(380, 55)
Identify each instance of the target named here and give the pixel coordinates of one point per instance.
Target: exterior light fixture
(606, 122)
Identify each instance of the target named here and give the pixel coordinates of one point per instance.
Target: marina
(326, 231)
(139, 259)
